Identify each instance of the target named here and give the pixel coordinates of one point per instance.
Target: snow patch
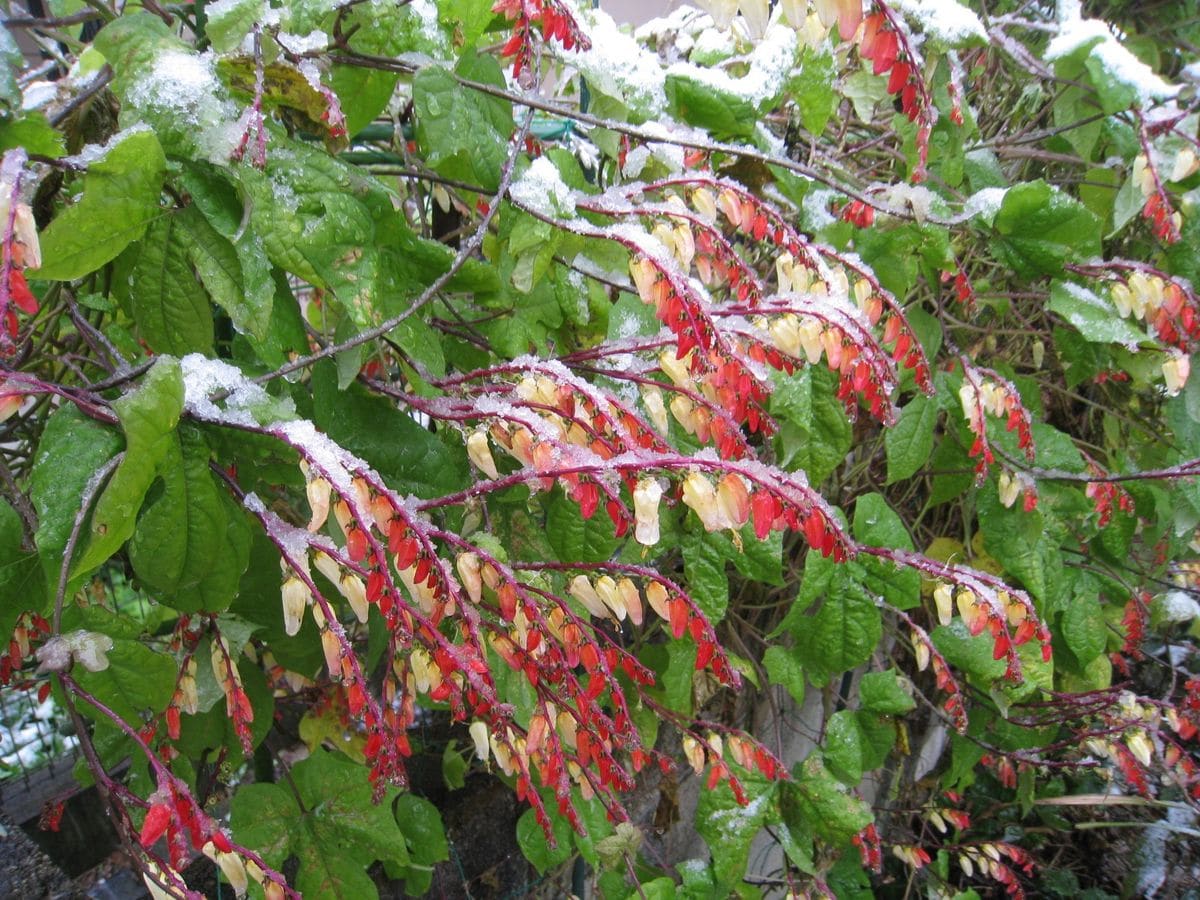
(616, 65)
(1118, 62)
(985, 203)
(945, 21)
(770, 64)
(184, 85)
(542, 190)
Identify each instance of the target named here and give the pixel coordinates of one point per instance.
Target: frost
(816, 208)
(713, 44)
(244, 402)
(301, 44)
(985, 203)
(617, 66)
(94, 152)
(39, 94)
(1116, 61)
(945, 21)
(1176, 607)
(184, 85)
(771, 63)
(542, 190)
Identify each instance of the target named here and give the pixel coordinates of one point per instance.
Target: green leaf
(454, 767)
(784, 669)
(21, 584)
(814, 432)
(463, 133)
(149, 414)
(337, 833)
(843, 750)
(574, 538)
(729, 828)
(120, 199)
(1084, 627)
(1019, 542)
(73, 448)
(877, 524)
(1094, 316)
(188, 544)
(411, 459)
(971, 654)
(842, 634)
(816, 802)
(220, 266)
(813, 90)
(137, 680)
(1040, 228)
(229, 23)
(532, 841)
(170, 306)
(883, 693)
(909, 443)
(704, 566)
(421, 824)
(722, 113)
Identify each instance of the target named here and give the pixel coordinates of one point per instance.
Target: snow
(184, 85)
(94, 152)
(1177, 607)
(945, 21)
(1118, 62)
(985, 203)
(542, 190)
(771, 62)
(39, 94)
(616, 65)
(203, 377)
(300, 44)
(816, 208)
(713, 44)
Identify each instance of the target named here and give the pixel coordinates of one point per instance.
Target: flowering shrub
(488, 363)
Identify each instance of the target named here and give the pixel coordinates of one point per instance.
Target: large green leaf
(138, 680)
(882, 693)
(704, 565)
(1093, 316)
(188, 544)
(843, 748)
(1020, 543)
(120, 199)
(814, 432)
(909, 443)
(877, 524)
(464, 133)
(412, 459)
(574, 538)
(815, 801)
(722, 113)
(149, 414)
(21, 584)
(169, 304)
(729, 828)
(813, 89)
(842, 634)
(1040, 228)
(73, 448)
(335, 832)
(237, 279)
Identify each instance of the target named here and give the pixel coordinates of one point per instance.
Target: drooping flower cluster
(554, 20)
(984, 392)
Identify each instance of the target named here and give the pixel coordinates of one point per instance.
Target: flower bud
(296, 597)
(943, 599)
(479, 736)
(582, 590)
(481, 454)
(318, 491)
(646, 497)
